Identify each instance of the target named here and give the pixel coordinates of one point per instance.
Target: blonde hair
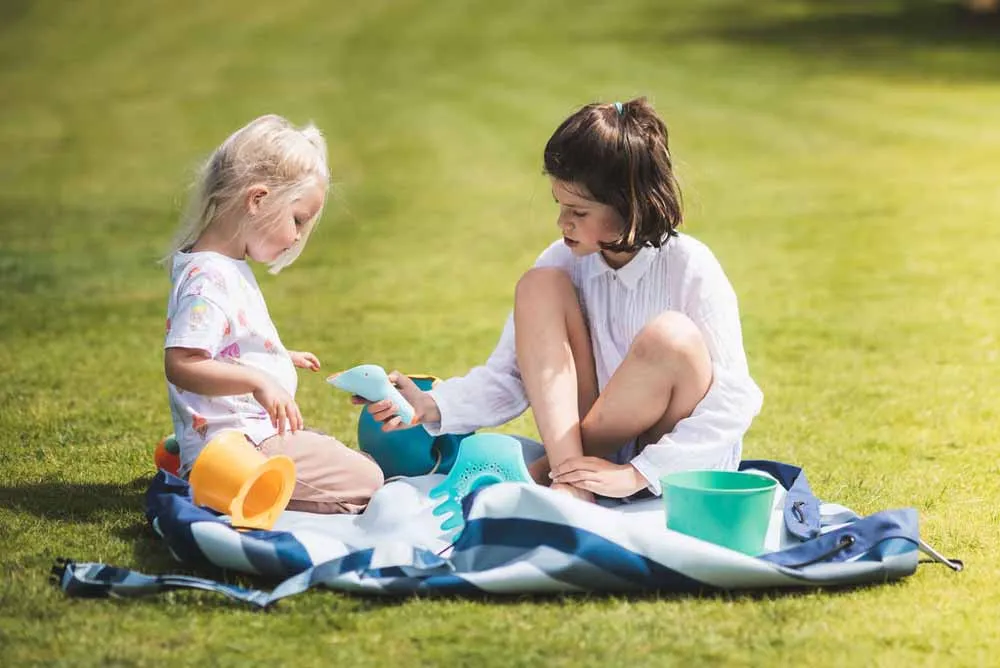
(269, 151)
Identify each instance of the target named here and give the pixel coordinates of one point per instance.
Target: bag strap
(801, 509)
(92, 580)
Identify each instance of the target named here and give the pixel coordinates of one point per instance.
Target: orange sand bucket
(230, 476)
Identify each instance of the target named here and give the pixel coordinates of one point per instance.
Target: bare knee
(671, 337)
(543, 283)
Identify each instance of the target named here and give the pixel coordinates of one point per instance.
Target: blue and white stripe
(517, 539)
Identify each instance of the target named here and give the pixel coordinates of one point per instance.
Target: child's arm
(194, 370)
(486, 396)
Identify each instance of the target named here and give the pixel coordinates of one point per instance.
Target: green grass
(840, 158)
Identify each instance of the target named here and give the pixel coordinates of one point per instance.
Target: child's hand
(425, 409)
(304, 360)
(280, 405)
(598, 476)
(576, 492)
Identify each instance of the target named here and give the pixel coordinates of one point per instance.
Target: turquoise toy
(483, 459)
(371, 382)
(407, 452)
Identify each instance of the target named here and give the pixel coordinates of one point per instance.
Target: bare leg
(666, 373)
(555, 360)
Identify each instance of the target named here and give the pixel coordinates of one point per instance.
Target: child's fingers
(392, 424)
(576, 477)
(379, 406)
(359, 401)
(574, 464)
(385, 412)
(403, 382)
(282, 417)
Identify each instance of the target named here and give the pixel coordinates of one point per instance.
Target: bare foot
(539, 470)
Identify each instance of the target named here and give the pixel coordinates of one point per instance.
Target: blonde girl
(258, 198)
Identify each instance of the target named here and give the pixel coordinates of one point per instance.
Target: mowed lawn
(840, 158)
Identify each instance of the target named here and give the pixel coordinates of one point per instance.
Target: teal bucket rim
(669, 480)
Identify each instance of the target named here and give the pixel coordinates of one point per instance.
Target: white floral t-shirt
(216, 306)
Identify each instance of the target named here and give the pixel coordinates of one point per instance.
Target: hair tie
(618, 107)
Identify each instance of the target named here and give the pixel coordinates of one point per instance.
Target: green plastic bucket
(728, 508)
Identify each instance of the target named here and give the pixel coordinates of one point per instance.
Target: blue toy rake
(483, 459)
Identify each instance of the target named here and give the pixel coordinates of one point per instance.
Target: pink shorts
(329, 477)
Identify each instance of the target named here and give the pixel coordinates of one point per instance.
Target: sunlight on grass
(839, 158)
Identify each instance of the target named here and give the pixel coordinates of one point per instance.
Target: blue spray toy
(471, 461)
(371, 382)
(400, 452)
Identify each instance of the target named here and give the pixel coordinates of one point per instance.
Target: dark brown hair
(619, 153)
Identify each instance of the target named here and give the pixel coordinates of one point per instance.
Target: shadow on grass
(75, 502)
(740, 596)
(920, 39)
(95, 504)
(361, 602)
(356, 602)
(706, 594)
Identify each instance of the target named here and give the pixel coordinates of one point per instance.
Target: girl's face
(274, 236)
(585, 223)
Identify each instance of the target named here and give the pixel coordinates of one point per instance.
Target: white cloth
(216, 306)
(681, 276)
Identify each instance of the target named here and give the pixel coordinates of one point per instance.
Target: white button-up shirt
(683, 276)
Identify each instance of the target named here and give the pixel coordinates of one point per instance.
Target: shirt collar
(630, 274)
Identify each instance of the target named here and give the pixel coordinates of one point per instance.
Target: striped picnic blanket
(517, 539)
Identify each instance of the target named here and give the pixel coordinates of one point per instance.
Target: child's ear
(255, 195)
